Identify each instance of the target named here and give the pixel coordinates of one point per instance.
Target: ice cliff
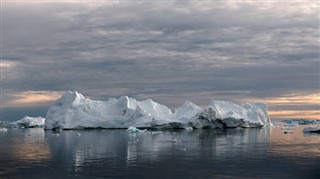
(74, 111)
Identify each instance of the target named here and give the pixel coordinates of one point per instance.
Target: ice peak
(186, 110)
(188, 103)
(124, 98)
(69, 97)
(72, 95)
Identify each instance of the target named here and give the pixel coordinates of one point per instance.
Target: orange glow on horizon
(310, 99)
(293, 99)
(315, 114)
(6, 64)
(33, 98)
(296, 100)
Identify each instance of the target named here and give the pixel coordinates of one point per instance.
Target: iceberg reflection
(119, 147)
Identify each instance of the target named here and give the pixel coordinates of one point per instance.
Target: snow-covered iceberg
(28, 122)
(74, 111)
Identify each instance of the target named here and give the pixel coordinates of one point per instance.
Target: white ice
(312, 129)
(29, 122)
(74, 111)
(3, 129)
(134, 130)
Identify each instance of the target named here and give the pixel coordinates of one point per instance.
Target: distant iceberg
(312, 129)
(29, 122)
(74, 111)
(3, 129)
(300, 121)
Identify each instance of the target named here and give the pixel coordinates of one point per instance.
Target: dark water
(234, 153)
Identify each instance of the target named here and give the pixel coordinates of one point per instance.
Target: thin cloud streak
(32, 98)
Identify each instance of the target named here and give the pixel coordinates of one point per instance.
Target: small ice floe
(312, 129)
(276, 124)
(155, 132)
(3, 129)
(56, 134)
(289, 127)
(135, 130)
(183, 149)
(175, 140)
(189, 128)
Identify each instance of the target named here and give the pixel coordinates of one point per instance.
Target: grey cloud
(192, 49)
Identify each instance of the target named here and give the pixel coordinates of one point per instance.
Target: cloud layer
(169, 51)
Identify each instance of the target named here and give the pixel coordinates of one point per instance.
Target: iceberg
(135, 130)
(312, 129)
(189, 128)
(3, 129)
(73, 111)
(29, 122)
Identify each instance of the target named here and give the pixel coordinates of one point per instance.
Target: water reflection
(296, 143)
(115, 153)
(117, 145)
(28, 145)
(22, 148)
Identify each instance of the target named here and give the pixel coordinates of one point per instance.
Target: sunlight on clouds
(299, 100)
(311, 99)
(6, 64)
(312, 114)
(33, 98)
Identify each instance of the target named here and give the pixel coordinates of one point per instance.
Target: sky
(169, 51)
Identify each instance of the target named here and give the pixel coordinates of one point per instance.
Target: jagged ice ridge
(74, 111)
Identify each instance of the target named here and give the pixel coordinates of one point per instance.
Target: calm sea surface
(232, 153)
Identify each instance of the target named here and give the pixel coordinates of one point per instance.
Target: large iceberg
(74, 111)
(29, 122)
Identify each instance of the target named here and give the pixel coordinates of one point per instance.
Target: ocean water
(232, 153)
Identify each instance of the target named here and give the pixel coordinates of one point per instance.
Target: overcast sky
(170, 51)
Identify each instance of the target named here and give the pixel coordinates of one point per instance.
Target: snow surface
(27, 122)
(74, 111)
